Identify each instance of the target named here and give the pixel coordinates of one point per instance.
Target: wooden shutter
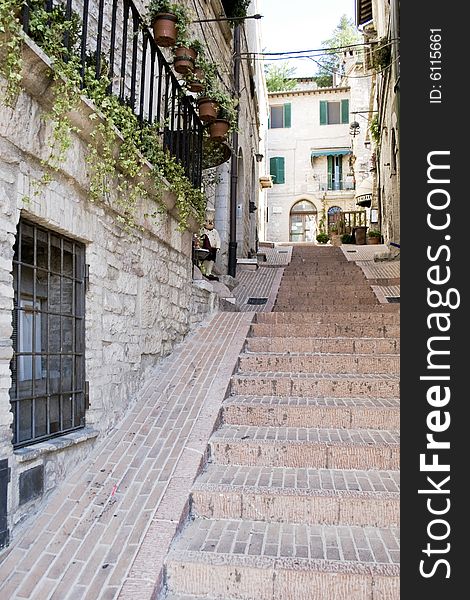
(287, 114)
(331, 166)
(277, 169)
(323, 112)
(344, 111)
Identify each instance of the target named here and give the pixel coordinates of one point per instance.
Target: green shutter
(340, 172)
(281, 171)
(344, 111)
(323, 112)
(330, 171)
(287, 115)
(277, 169)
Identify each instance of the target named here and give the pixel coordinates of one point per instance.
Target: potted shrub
(207, 103)
(169, 20)
(185, 55)
(322, 237)
(346, 238)
(374, 236)
(226, 118)
(196, 79)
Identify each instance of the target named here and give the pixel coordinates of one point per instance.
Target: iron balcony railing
(330, 185)
(117, 37)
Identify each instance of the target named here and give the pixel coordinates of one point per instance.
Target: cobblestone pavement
(107, 530)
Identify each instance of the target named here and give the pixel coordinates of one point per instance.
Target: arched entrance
(303, 222)
(334, 215)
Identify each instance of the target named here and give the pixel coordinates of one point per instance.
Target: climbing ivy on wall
(119, 127)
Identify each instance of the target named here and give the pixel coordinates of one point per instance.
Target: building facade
(379, 22)
(96, 270)
(309, 154)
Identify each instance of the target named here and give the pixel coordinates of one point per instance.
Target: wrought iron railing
(113, 32)
(330, 184)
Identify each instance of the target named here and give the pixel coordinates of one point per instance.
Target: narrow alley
(260, 463)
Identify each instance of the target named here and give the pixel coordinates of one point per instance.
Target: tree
(280, 78)
(344, 34)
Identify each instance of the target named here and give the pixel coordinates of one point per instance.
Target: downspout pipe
(232, 246)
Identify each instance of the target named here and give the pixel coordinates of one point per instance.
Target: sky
(301, 25)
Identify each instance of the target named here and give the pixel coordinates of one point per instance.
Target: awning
(331, 152)
(364, 192)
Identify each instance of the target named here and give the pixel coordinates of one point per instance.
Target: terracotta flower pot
(184, 60)
(164, 30)
(208, 110)
(196, 84)
(218, 129)
(373, 240)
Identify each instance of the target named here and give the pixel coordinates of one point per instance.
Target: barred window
(48, 378)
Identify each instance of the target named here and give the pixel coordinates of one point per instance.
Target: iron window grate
(392, 299)
(48, 364)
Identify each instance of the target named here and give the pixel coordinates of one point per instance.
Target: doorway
(303, 222)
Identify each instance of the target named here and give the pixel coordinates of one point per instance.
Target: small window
(277, 169)
(47, 393)
(334, 113)
(280, 116)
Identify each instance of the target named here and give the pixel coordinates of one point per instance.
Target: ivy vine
(109, 161)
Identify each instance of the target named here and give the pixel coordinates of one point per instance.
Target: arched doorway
(303, 222)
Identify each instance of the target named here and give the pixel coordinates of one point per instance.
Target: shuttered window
(277, 169)
(334, 113)
(280, 117)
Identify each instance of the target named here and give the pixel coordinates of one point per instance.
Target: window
(47, 393)
(280, 116)
(277, 169)
(335, 173)
(334, 113)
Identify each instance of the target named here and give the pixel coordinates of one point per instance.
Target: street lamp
(354, 129)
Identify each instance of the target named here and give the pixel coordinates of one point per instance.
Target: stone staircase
(300, 498)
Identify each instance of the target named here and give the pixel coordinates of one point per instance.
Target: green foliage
(280, 78)
(11, 63)
(236, 8)
(120, 146)
(374, 129)
(344, 34)
(382, 54)
(227, 103)
(374, 233)
(322, 238)
(346, 238)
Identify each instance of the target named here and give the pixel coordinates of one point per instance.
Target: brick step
(356, 308)
(315, 385)
(272, 411)
(376, 346)
(306, 447)
(310, 496)
(325, 329)
(299, 304)
(378, 314)
(319, 363)
(306, 293)
(251, 560)
(346, 316)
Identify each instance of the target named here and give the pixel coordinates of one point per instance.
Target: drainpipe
(232, 246)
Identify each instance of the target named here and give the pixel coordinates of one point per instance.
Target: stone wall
(140, 299)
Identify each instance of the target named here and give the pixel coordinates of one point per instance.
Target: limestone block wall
(140, 299)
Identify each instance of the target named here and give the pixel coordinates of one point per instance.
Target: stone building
(309, 148)
(94, 291)
(379, 22)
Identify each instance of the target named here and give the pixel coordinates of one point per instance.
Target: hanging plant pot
(164, 29)
(208, 110)
(214, 153)
(196, 82)
(183, 61)
(218, 129)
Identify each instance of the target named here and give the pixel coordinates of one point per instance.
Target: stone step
(311, 496)
(272, 411)
(306, 447)
(319, 363)
(315, 385)
(250, 560)
(325, 329)
(376, 346)
(298, 304)
(307, 290)
(346, 316)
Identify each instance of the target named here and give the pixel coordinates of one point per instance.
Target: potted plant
(169, 20)
(346, 238)
(185, 55)
(334, 235)
(322, 237)
(196, 79)
(374, 236)
(226, 118)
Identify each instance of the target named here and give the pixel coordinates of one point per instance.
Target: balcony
(334, 185)
(113, 38)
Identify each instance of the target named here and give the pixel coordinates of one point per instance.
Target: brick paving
(298, 492)
(106, 530)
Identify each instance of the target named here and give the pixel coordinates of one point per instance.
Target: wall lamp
(354, 127)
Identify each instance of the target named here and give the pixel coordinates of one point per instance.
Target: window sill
(73, 438)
